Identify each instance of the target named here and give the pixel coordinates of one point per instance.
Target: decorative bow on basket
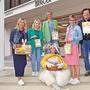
(23, 49)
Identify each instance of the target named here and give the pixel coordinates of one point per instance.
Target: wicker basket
(53, 68)
(20, 49)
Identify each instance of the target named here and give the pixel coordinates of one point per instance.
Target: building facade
(31, 9)
(13, 3)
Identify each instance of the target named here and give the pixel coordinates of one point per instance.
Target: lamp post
(1, 34)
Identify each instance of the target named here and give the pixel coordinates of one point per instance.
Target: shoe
(71, 80)
(55, 87)
(33, 74)
(36, 74)
(87, 74)
(75, 81)
(21, 82)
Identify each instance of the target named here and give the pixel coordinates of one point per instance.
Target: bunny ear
(19, 20)
(56, 47)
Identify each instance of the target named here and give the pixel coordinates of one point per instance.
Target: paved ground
(8, 81)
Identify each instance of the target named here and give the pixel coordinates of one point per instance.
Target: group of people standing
(43, 33)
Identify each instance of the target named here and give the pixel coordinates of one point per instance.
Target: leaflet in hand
(33, 37)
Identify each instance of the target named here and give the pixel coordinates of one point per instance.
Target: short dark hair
(49, 12)
(85, 10)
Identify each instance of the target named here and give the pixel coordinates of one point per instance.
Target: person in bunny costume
(55, 72)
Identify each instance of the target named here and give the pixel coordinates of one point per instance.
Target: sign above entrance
(41, 2)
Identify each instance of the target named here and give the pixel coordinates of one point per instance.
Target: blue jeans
(35, 60)
(86, 53)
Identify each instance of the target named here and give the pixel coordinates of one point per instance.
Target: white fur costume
(60, 77)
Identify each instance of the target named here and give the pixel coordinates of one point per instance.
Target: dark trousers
(19, 64)
(86, 52)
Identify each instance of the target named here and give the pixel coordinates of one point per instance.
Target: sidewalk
(9, 81)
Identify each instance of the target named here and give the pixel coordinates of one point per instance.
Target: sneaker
(87, 74)
(75, 81)
(21, 82)
(71, 80)
(55, 87)
(33, 74)
(36, 74)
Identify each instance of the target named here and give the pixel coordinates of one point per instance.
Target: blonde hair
(21, 21)
(36, 20)
(72, 16)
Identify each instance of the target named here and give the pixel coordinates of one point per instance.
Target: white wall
(7, 44)
(1, 34)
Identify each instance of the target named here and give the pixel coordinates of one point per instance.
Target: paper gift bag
(55, 35)
(67, 48)
(37, 43)
(86, 27)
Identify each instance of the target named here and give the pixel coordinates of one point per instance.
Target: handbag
(67, 48)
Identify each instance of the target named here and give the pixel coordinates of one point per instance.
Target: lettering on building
(41, 2)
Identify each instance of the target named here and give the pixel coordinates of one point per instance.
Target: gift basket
(53, 68)
(23, 49)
